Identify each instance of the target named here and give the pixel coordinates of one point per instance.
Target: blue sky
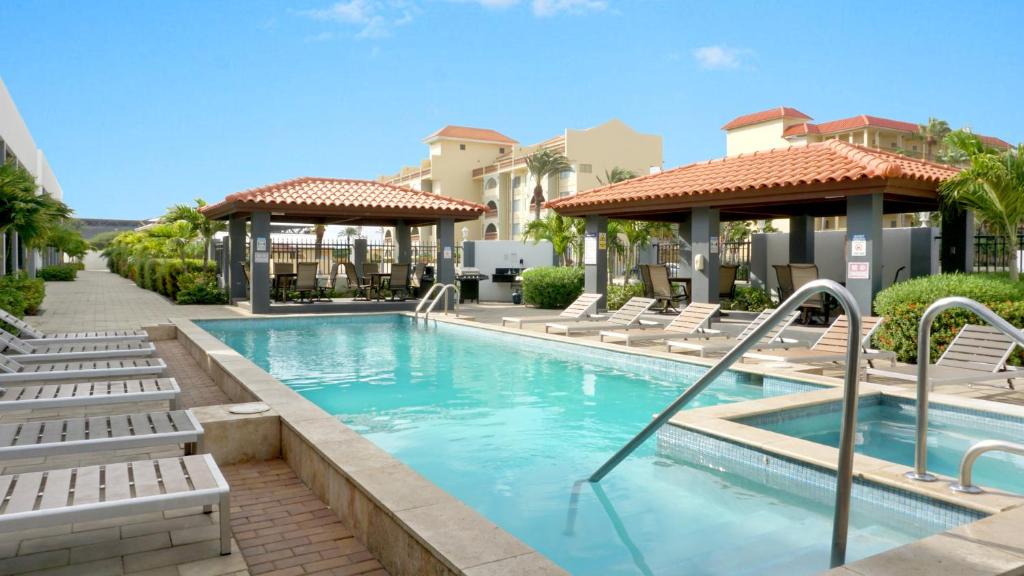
(139, 105)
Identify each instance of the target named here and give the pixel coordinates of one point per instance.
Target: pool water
(508, 424)
(886, 430)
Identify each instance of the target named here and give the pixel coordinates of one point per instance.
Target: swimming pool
(886, 430)
(508, 424)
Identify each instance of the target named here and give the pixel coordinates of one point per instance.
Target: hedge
(164, 276)
(58, 273)
(199, 288)
(552, 286)
(619, 295)
(904, 303)
(748, 298)
(31, 290)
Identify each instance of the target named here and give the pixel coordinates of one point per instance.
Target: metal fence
(329, 253)
(992, 254)
(730, 253)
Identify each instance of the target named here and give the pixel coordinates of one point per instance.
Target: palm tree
(541, 165)
(23, 210)
(615, 175)
(639, 234)
(318, 230)
(561, 231)
(177, 237)
(992, 185)
(932, 133)
(205, 228)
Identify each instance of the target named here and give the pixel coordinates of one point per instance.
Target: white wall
(491, 254)
(16, 135)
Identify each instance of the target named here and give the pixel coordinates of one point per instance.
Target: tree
(178, 238)
(932, 133)
(992, 185)
(541, 165)
(67, 239)
(318, 230)
(616, 175)
(23, 210)
(561, 231)
(639, 234)
(202, 226)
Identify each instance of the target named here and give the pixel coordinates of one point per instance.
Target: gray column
(236, 257)
(595, 274)
(685, 246)
(707, 245)
(15, 252)
(359, 254)
(403, 239)
(957, 253)
(759, 261)
(31, 258)
(3, 254)
(446, 254)
(922, 262)
(801, 239)
(864, 225)
(259, 263)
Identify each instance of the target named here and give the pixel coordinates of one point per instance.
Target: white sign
(261, 244)
(590, 250)
(261, 257)
(859, 246)
(858, 270)
(713, 245)
(447, 253)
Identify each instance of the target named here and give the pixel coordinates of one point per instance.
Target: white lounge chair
(582, 308)
(27, 332)
(977, 354)
(80, 394)
(772, 339)
(13, 371)
(42, 351)
(628, 315)
(692, 321)
(56, 497)
(96, 433)
(831, 346)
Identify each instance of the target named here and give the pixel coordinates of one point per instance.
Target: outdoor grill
(469, 284)
(509, 275)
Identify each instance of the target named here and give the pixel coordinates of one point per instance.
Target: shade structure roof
(814, 180)
(344, 201)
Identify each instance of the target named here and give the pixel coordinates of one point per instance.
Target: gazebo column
(864, 248)
(801, 239)
(236, 257)
(15, 254)
(259, 263)
(446, 254)
(685, 246)
(403, 238)
(705, 243)
(595, 273)
(957, 253)
(359, 254)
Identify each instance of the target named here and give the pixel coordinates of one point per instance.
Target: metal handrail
(847, 435)
(973, 453)
(441, 295)
(425, 299)
(920, 471)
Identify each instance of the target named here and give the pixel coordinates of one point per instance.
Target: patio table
(377, 281)
(280, 285)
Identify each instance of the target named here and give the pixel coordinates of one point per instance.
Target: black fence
(992, 253)
(329, 253)
(730, 253)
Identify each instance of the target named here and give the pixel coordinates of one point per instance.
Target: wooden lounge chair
(977, 354)
(628, 315)
(14, 371)
(831, 346)
(693, 321)
(361, 287)
(81, 394)
(39, 351)
(661, 288)
(98, 433)
(26, 332)
(56, 497)
(773, 339)
(582, 308)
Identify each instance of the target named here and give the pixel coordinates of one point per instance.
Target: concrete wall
(506, 254)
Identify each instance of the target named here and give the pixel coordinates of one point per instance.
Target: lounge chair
(582, 308)
(35, 351)
(693, 320)
(398, 281)
(785, 279)
(628, 315)
(831, 346)
(802, 274)
(27, 332)
(361, 287)
(82, 394)
(727, 281)
(305, 279)
(977, 354)
(98, 433)
(661, 288)
(773, 339)
(13, 371)
(56, 497)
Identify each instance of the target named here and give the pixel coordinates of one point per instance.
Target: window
(893, 145)
(491, 184)
(515, 229)
(516, 181)
(491, 205)
(515, 205)
(501, 150)
(462, 146)
(491, 232)
(915, 147)
(565, 174)
(586, 168)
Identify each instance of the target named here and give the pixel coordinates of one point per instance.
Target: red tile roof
(333, 196)
(793, 167)
(801, 129)
(764, 116)
(470, 133)
(865, 121)
(995, 142)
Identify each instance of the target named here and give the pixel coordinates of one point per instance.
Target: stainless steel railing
(848, 433)
(442, 295)
(924, 328)
(426, 300)
(972, 454)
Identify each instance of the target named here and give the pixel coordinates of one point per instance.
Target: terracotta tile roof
(764, 116)
(995, 142)
(793, 167)
(469, 133)
(865, 121)
(333, 196)
(801, 129)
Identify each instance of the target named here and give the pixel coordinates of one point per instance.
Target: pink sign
(858, 270)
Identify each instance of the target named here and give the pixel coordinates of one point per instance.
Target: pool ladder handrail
(440, 296)
(924, 328)
(426, 299)
(973, 453)
(848, 432)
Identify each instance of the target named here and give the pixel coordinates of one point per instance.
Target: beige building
(488, 167)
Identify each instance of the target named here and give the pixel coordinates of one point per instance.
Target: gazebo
(800, 183)
(330, 201)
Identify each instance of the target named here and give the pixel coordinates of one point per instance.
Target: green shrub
(199, 288)
(58, 273)
(552, 286)
(904, 303)
(748, 298)
(31, 290)
(13, 301)
(619, 295)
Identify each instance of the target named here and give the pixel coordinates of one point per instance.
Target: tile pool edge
(411, 525)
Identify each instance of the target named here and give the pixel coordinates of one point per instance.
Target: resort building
(17, 145)
(486, 166)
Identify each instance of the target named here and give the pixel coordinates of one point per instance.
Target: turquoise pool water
(507, 424)
(886, 429)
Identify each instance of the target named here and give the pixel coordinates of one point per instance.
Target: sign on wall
(859, 245)
(447, 253)
(261, 255)
(590, 243)
(713, 245)
(858, 270)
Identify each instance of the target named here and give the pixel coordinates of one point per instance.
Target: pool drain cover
(250, 408)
